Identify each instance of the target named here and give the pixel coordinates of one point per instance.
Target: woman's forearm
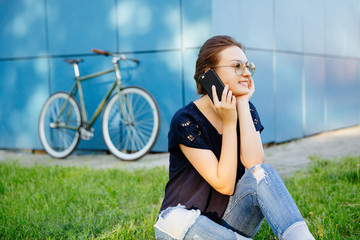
(226, 171)
(251, 149)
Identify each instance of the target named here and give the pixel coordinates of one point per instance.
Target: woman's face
(239, 85)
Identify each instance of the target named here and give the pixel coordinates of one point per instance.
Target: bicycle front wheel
(131, 123)
(59, 122)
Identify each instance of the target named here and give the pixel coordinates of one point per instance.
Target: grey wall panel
(341, 93)
(314, 26)
(314, 94)
(264, 98)
(288, 97)
(288, 25)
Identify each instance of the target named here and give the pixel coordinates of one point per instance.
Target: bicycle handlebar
(107, 53)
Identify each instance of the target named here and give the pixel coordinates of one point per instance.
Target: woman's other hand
(247, 97)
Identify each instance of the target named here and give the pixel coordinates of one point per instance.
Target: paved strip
(289, 157)
(286, 157)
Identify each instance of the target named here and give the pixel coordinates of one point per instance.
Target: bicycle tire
(130, 140)
(59, 142)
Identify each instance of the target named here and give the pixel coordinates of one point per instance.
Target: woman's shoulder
(252, 107)
(185, 128)
(185, 113)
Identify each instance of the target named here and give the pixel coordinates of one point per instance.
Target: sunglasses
(240, 67)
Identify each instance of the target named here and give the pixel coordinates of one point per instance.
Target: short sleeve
(256, 118)
(185, 130)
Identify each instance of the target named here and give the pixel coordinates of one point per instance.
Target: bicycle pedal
(86, 134)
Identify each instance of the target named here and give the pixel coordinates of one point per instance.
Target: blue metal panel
(341, 91)
(352, 91)
(197, 22)
(334, 91)
(22, 31)
(335, 30)
(314, 69)
(288, 97)
(350, 20)
(23, 90)
(190, 91)
(77, 26)
(249, 22)
(226, 17)
(252, 15)
(288, 25)
(263, 98)
(148, 25)
(314, 26)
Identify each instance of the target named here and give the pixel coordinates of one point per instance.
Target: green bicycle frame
(77, 88)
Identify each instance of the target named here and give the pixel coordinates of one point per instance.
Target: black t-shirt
(186, 186)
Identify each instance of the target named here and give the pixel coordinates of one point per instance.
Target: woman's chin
(242, 92)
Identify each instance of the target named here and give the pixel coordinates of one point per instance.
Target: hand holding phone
(226, 108)
(210, 78)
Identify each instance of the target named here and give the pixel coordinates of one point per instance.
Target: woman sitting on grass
(219, 186)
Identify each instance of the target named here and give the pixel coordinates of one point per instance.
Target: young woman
(219, 186)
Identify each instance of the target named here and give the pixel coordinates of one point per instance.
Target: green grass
(78, 203)
(83, 203)
(328, 196)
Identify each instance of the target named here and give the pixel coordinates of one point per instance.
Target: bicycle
(130, 123)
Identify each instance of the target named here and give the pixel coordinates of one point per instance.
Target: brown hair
(209, 56)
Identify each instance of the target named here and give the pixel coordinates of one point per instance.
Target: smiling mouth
(244, 83)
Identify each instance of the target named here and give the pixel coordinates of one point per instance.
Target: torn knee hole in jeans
(177, 221)
(259, 173)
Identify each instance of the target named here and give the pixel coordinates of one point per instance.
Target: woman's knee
(268, 167)
(175, 222)
(261, 171)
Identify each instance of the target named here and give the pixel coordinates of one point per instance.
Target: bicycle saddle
(73, 61)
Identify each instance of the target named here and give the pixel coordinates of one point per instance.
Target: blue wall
(307, 55)
(36, 36)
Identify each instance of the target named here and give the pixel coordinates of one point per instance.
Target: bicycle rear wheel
(131, 129)
(59, 122)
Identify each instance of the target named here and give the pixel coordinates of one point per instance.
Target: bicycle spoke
(142, 107)
(127, 141)
(141, 138)
(142, 115)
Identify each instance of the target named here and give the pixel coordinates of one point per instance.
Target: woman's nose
(246, 73)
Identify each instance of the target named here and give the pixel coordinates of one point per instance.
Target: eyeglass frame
(246, 65)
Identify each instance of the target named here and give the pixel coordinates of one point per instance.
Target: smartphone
(210, 78)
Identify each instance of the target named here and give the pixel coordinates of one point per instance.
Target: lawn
(82, 203)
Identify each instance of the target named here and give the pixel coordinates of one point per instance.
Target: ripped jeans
(259, 193)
